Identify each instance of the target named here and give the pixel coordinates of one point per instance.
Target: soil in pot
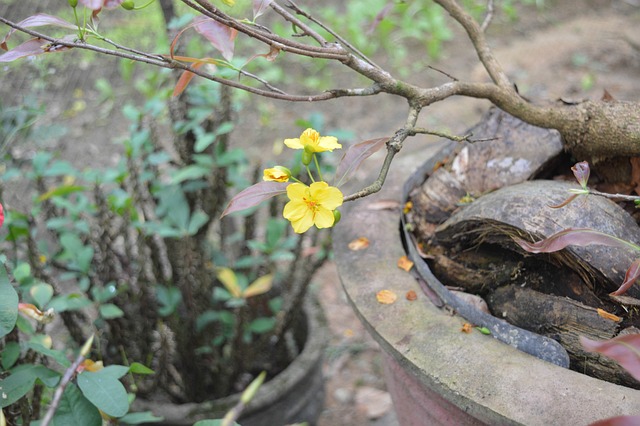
(468, 212)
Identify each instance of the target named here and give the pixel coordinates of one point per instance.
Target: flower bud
(276, 174)
(128, 4)
(73, 3)
(336, 217)
(307, 156)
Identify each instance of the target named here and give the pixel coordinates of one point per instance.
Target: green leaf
(57, 355)
(75, 410)
(22, 379)
(41, 294)
(8, 304)
(60, 191)
(137, 368)
(110, 311)
(193, 171)
(69, 302)
(262, 325)
(204, 141)
(198, 219)
(10, 355)
(22, 272)
(15, 387)
(115, 371)
(205, 319)
(105, 392)
(138, 418)
(169, 299)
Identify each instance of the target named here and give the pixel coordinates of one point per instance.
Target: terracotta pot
(438, 375)
(295, 395)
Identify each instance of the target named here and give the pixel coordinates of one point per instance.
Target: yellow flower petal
(294, 143)
(311, 205)
(328, 143)
(304, 223)
(324, 218)
(311, 140)
(294, 210)
(325, 195)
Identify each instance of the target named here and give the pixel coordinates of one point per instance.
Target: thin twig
(394, 145)
(337, 36)
(464, 138)
(488, 17)
(615, 197)
(57, 396)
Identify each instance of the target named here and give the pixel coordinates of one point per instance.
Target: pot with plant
(420, 337)
(139, 255)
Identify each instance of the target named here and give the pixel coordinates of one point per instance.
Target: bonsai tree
(603, 132)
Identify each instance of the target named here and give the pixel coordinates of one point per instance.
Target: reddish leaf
(625, 350)
(354, 156)
(618, 421)
(565, 202)
(632, 275)
(185, 79)
(259, 7)
(37, 20)
(581, 172)
(35, 46)
(574, 236)
(220, 35)
(254, 195)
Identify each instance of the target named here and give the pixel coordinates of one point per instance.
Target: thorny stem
(57, 396)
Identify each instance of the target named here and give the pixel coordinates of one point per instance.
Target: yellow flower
(277, 174)
(311, 205)
(311, 141)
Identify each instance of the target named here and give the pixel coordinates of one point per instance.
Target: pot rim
(488, 379)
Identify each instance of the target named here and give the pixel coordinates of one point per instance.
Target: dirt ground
(571, 50)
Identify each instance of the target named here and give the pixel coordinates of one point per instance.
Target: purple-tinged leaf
(259, 7)
(254, 195)
(625, 350)
(354, 156)
(37, 20)
(565, 202)
(221, 36)
(618, 421)
(573, 237)
(36, 46)
(632, 275)
(581, 172)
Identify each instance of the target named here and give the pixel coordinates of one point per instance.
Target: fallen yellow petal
(386, 297)
(405, 264)
(359, 244)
